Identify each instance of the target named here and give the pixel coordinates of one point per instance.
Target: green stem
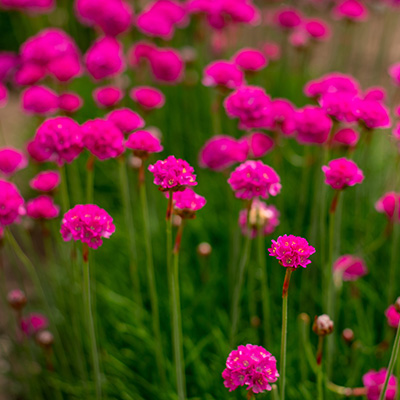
(89, 319)
(90, 179)
(394, 259)
(158, 349)
(64, 190)
(320, 374)
(392, 362)
(284, 331)
(124, 184)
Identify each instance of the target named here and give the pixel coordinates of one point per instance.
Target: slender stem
(394, 258)
(158, 348)
(90, 179)
(285, 293)
(320, 374)
(392, 362)
(124, 184)
(346, 391)
(64, 190)
(89, 318)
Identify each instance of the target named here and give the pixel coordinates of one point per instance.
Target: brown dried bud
(322, 325)
(16, 299)
(348, 335)
(44, 339)
(204, 249)
(397, 304)
(176, 221)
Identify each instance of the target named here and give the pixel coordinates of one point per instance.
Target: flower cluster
(11, 203)
(187, 202)
(341, 173)
(45, 181)
(88, 223)
(349, 268)
(125, 120)
(250, 366)
(42, 207)
(11, 161)
(373, 381)
(291, 251)
(143, 143)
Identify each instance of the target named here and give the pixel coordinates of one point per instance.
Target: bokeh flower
(107, 96)
(373, 381)
(341, 173)
(393, 316)
(223, 73)
(143, 143)
(11, 161)
(11, 203)
(125, 120)
(187, 202)
(45, 181)
(147, 97)
(34, 323)
(349, 268)
(42, 207)
(388, 204)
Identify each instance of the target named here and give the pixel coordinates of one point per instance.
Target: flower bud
(397, 304)
(204, 249)
(322, 325)
(176, 221)
(348, 335)
(16, 299)
(44, 339)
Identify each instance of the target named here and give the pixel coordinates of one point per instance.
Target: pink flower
(34, 323)
(39, 100)
(375, 93)
(31, 6)
(3, 95)
(393, 317)
(69, 102)
(11, 160)
(172, 174)
(147, 97)
(350, 9)
(187, 202)
(332, 83)
(252, 366)
(346, 137)
(282, 117)
(339, 105)
(58, 139)
(221, 152)
(341, 173)
(29, 74)
(387, 204)
(291, 251)
(288, 18)
(317, 29)
(394, 72)
(223, 73)
(88, 223)
(107, 96)
(64, 68)
(272, 51)
(8, 63)
(262, 219)
(125, 120)
(42, 207)
(373, 382)
(251, 105)
(103, 139)
(140, 51)
(166, 65)
(254, 179)
(45, 181)
(349, 268)
(250, 59)
(259, 144)
(104, 59)
(299, 38)
(11, 203)
(142, 143)
(312, 125)
(373, 114)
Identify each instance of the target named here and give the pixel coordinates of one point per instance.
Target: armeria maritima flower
(143, 143)
(11, 161)
(187, 202)
(88, 223)
(33, 323)
(254, 179)
(389, 204)
(45, 181)
(42, 207)
(341, 173)
(11, 203)
(373, 382)
(250, 366)
(291, 251)
(172, 174)
(126, 120)
(349, 268)
(393, 316)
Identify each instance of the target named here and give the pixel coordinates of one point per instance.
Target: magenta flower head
(59, 140)
(288, 18)
(104, 59)
(254, 179)
(291, 251)
(250, 59)
(45, 181)
(282, 117)
(339, 105)
(186, 203)
(221, 152)
(349, 268)
(352, 10)
(341, 173)
(42, 207)
(8, 63)
(143, 143)
(140, 52)
(70, 102)
(147, 97)
(376, 93)
(39, 100)
(11, 203)
(103, 139)
(107, 96)
(393, 316)
(394, 72)
(34, 323)
(312, 125)
(3, 95)
(332, 83)
(166, 65)
(263, 219)
(251, 105)
(387, 204)
(11, 161)
(317, 29)
(345, 137)
(88, 223)
(250, 366)
(172, 174)
(259, 144)
(374, 380)
(371, 113)
(223, 74)
(125, 120)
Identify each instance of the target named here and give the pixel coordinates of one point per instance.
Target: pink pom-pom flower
(250, 60)
(312, 125)
(394, 72)
(172, 174)
(259, 144)
(42, 207)
(143, 143)
(374, 380)
(39, 100)
(11, 203)
(288, 18)
(69, 102)
(251, 366)
(166, 65)
(291, 251)
(45, 181)
(393, 316)
(11, 161)
(187, 202)
(88, 223)
(345, 137)
(254, 179)
(34, 323)
(107, 96)
(349, 268)
(223, 73)
(353, 10)
(341, 173)
(389, 204)
(148, 97)
(125, 120)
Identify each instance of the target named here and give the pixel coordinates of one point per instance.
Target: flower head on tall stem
(45, 181)
(341, 173)
(42, 207)
(374, 380)
(186, 203)
(143, 143)
(11, 161)
(250, 366)
(11, 203)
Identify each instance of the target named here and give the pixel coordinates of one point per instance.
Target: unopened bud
(305, 318)
(204, 249)
(44, 339)
(397, 304)
(348, 335)
(16, 299)
(135, 162)
(176, 221)
(322, 325)
(255, 321)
